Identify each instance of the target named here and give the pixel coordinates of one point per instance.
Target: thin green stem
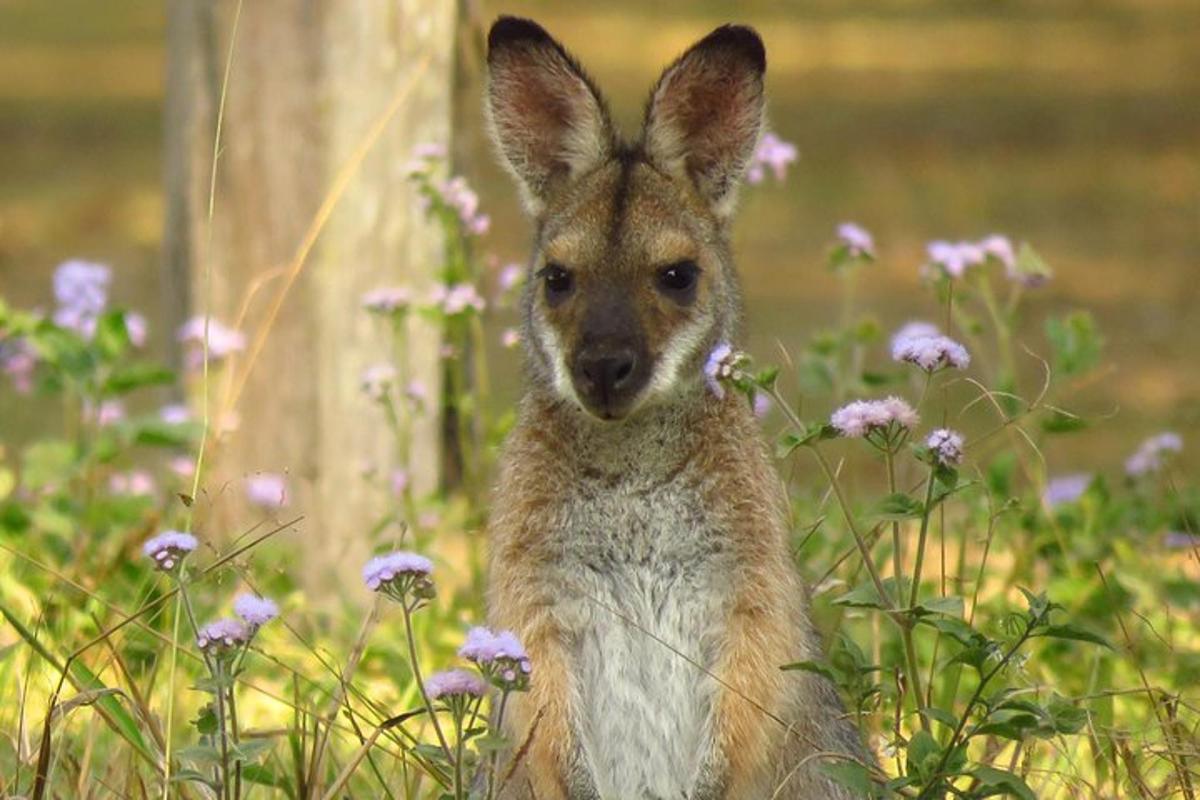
(416, 670)
(897, 556)
(499, 726)
(171, 696)
(926, 513)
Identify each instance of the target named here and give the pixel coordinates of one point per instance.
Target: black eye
(559, 282)
(679, 280)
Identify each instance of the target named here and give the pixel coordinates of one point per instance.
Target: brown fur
(643, 521)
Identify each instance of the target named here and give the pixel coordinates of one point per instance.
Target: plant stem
(927, 512)
(218, 674)
(459, 713)
(416, 670)
(897, 556)
(499, 726)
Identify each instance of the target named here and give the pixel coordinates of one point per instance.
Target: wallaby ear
(705, 114)
(546, 117)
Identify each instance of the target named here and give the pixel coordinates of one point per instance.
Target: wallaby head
(631, 281)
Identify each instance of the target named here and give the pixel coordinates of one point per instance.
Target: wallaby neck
(655, 440)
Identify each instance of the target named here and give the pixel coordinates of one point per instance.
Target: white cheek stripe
(679, 352)
(548, 340)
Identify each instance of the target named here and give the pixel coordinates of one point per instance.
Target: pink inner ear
(705, 118)
(541, 108)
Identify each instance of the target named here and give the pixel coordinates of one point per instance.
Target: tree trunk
(310, 79)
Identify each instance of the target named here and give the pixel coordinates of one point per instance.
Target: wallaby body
(638, 538)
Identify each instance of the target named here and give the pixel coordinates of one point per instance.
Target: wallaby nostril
(623, 371)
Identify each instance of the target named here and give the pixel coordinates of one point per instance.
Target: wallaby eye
(559, 282)
(679, 280)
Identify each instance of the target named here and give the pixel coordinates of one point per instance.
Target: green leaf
(815, 667)
(1076, 342)
(112, 335)
(866, 595)
(898, 506)
(1000, 781)
(48, 462)
(1067, 717)
(941, 715)
(1030, 266)
(1072, 632)
(852, 775)
(251, 749)
(156, 433)
(1060, 422)
(204, 755)
(491, 743)
(263, 776)
(206, 721)
(812, 433)
(924, 754)
(951, 606)
(127, 378)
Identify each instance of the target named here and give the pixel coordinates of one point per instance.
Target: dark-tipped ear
(546, 118)
(705, 113)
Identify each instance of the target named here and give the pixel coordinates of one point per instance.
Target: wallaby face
(632, 283)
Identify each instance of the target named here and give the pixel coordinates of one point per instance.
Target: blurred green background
(1073, 125)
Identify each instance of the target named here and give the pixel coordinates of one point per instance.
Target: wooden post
(310, 80)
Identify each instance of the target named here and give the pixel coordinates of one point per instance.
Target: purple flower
(135, 328)
(510, 276)
(946, 446)
(955, 258)
(382, 570)
(459, 196)
(109, 412)
(762, 404)
(1065, 489)
(169, 548)
(1000, 248)
(387, 299)
(931, 353)
(81, 289)
(399, 482)
(175, 414)
(862, 417)
(183, 466)
(377, 380)
(223, 341)
(510, 337)
(429, 150)
(135, 483)
(454, 683)
(267, 490)
(771, 153)
(417, 393)
(18, 360)
(916, 329)
(499, 656)
(457, 298)
(254, 610)
(484, 646)
(1180, 540)
(721, 366)
(218, 638)
(1152, 454)
(857, 240)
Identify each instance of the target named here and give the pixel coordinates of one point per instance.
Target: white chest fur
(645, 574)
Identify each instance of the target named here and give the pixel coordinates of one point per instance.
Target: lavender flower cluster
(1152, 454)
(922, 344)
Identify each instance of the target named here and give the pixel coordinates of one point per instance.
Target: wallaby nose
(607, 374)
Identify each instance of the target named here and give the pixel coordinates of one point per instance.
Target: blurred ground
(1073, 125)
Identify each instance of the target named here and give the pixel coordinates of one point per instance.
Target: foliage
(993, 629)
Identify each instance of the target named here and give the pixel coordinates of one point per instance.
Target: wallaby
(638, 542)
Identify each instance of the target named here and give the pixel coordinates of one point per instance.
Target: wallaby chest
(645, 569)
